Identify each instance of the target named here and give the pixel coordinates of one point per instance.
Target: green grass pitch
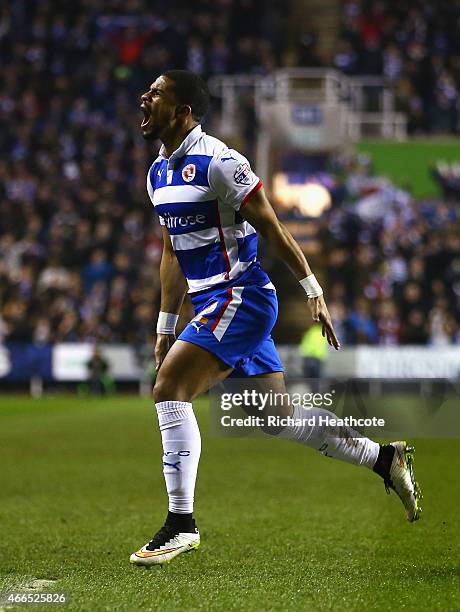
(282, 527)
(409, 163)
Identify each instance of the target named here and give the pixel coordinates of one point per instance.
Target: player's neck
(172, 142)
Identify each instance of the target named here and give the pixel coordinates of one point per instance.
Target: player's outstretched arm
(260, 214)
(173, 289)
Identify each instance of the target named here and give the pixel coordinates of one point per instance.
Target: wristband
(311, 286)
(166, 323)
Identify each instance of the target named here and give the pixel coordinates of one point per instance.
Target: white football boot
(165, 545)
(401, 479)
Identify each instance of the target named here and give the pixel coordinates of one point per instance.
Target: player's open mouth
(146, 112)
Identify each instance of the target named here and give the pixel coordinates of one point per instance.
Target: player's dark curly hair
(190, 89)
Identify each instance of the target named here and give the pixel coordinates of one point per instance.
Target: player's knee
(167, 389)
(163, 390)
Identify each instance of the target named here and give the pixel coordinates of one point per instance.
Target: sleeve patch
(231, 177)
(242, 174)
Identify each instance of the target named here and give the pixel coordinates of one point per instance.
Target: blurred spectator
(415, 328)
(362, 326)
(99, 269)
(448, 178)
(441, 324)
(99, 381)
(388, 324)
(17, 325)
(54, 275)
(313, 348)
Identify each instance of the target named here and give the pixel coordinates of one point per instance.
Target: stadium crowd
(393, 267)
(79, 245)
(415, 44)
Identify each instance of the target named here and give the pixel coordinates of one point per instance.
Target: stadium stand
(79, 246)
(416, 46)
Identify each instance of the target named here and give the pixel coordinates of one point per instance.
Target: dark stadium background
(79, 243)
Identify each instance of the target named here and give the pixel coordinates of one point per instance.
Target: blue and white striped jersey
(198, 193)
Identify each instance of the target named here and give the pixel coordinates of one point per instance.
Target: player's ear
(183, 110)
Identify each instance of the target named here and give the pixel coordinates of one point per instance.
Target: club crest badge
(188, 173)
